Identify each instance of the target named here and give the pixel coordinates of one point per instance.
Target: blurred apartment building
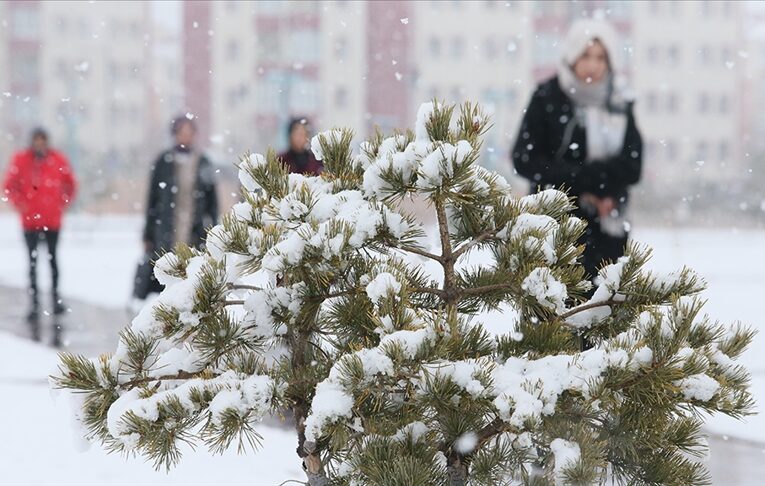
(370, 63)
(92, 74)
(106, 77)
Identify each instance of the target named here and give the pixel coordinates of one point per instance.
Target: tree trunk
(458, 473)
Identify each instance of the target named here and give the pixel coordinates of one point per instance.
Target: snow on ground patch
(32, 414)
(98, 256)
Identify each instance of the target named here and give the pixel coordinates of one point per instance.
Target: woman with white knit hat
(579, 133)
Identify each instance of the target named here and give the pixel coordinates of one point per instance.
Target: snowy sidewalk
(88, 329)
(93, 330)
(98, 257)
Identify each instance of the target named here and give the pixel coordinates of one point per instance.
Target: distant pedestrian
(579, 132)
(40, 185)
(298, 157)
(182, 200)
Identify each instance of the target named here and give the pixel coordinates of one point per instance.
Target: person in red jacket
(40, 185)
(298, 158)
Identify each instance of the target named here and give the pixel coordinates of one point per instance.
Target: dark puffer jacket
(160, 209)
(551, 151)
(540, 157)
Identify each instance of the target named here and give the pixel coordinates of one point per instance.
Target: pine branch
(477, 291)
(472, 243)
(181, 375)
(242, 287)
(588, 306)
(418, 251)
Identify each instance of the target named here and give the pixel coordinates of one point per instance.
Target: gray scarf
(600, 109)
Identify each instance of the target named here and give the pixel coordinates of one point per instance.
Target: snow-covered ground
(98, 257)
(38, 446)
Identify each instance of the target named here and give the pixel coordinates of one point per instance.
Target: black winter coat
(160, 209)
(546, 156)
(539, 156)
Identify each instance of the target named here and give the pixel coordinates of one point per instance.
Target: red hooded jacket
(40, 189)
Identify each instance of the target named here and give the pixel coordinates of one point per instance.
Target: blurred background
(106, 78)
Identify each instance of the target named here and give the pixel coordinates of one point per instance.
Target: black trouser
(600, 247)
(33, 238)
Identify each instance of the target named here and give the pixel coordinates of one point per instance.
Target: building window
(705, 55)
(26, 109)
(458, 47)
(513, 48)
(113, 71)
(61, 24)
(703, 102)
(24, 70)
(673, 103)
(724, 151)
(232, 50)
(651, 102)
(490, 48)
(270, 96)
(341, 97)
(653, 54)
(434, 46)
(701, 150)
(727, 54)
(491, 99)
(671, 150)
(269, 44)
(673, 56)
(512, 98)
(237, 95)
(25, 23)
(724, 104)
(620, 10)
(546, 48)
(341, 48)
(135, 71)
(83, 27)
(650, 150)
(62, 68)
(304, 96)
(306, 45)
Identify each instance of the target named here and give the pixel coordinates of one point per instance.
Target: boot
(33, 319)
(58, 305)
(58, 331)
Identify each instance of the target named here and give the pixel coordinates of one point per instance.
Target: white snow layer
(546, 289)
(566, 453)
(381, 286)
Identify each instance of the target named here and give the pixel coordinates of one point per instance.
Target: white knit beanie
(582, 32)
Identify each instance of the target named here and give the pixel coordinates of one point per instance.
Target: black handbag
(145, 282)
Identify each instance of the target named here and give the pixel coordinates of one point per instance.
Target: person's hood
(576, 41)
(582, 32)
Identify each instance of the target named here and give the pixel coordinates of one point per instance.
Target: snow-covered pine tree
(324, 297)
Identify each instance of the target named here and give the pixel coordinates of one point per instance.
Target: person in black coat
(579, 133)
(182, 200)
